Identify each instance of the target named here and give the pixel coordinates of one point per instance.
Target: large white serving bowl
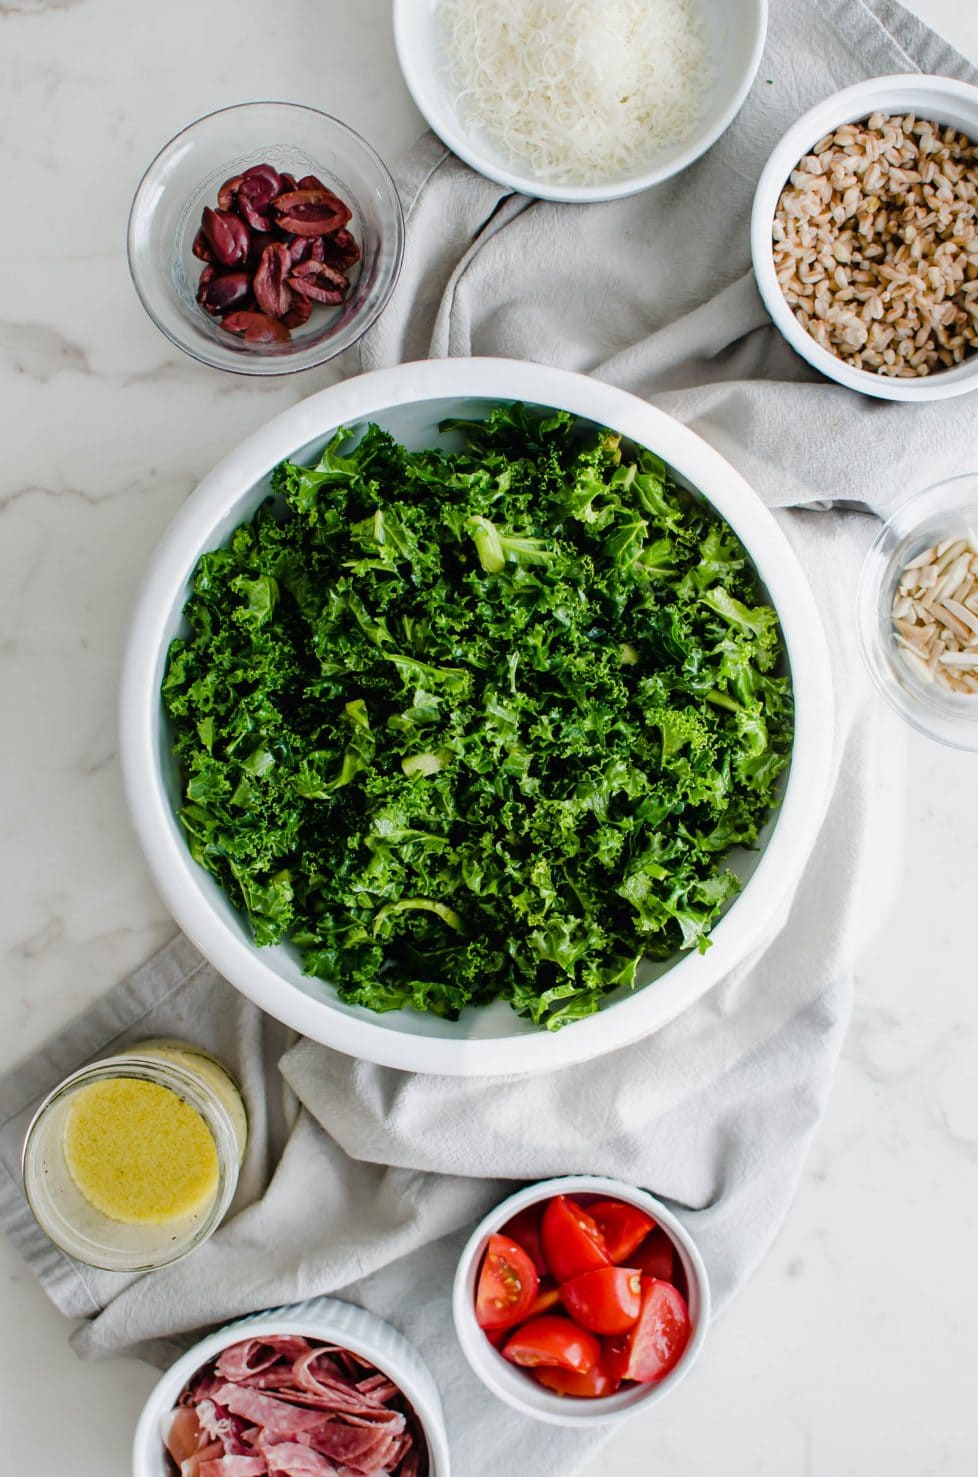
(735, 32)
(410, 401)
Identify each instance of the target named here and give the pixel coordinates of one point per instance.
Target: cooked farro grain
(876, 245)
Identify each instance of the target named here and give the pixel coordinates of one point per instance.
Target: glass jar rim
(193, 1090)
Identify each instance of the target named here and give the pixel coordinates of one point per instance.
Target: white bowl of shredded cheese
(579, 100)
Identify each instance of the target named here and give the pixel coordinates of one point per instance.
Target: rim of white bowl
(443, 123)
(327, 1318)
(900, 93)
(518, 1389)
(765, 896)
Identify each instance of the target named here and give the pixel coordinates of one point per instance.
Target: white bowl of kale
(489, 732)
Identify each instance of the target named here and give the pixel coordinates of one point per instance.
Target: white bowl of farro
(864, 237)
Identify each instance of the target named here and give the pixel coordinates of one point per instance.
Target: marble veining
(852, 1350)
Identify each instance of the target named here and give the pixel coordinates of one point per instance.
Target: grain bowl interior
(876, 244)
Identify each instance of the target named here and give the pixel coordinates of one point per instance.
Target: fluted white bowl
(323, 1318)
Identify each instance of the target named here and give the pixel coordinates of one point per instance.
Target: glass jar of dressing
(133, 1161)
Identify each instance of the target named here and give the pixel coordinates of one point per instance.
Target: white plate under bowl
(410, 401)
(735, 31)
(334, 1322)
(939, 99)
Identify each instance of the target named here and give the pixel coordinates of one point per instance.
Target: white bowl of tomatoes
(579, 1299)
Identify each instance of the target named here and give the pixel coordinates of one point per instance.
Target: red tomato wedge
(572, 1243)
(507, 1285)
(658, 1340)
(623, 1227)
(548, 1296)
(554, 1341)
(606, 1300)
(524, 1229)
(598, 1381)
(656, 1256)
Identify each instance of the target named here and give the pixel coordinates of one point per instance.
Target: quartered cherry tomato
(524, 1229)
(658, 1340)
(553, 1341)
(597, 1381)
(656, 1256)
(572, 1243)
(623, 1227)
(606, 1300)
(507, 1285)
(548, 1296)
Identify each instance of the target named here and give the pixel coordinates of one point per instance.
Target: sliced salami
(286, 1406)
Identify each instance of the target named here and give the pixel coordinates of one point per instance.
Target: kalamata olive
(311, 220)
(311, 212)
(256, 218)
(270, 178)
(273, 248)
(202, 248)
(306, 248)
(224, 291)
(240, 232)
(298, 312)
(324, 284)
(340, 250)
(256, 328)
(258, 188)
(226, 235)
(272, 294)
(289, 199)
(227, 192)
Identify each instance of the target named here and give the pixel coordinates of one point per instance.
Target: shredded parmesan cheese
(579, 90)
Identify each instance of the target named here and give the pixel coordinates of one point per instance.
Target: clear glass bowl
(72, 1221)
(948, 509)
(186, 175)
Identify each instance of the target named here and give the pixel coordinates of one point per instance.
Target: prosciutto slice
(234, 1466)
(222, 1426)
(286, 1406)
(293, 1460)
(362, 1449)
(265, 1410)
(252, 1357)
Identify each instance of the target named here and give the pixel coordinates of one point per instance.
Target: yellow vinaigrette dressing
(139, 1153)
(133, 1160)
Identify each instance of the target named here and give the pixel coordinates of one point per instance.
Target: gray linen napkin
(372, 1184)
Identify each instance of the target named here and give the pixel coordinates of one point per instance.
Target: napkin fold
(364, 1181)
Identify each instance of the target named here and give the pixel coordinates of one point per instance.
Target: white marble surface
(853, 1350)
